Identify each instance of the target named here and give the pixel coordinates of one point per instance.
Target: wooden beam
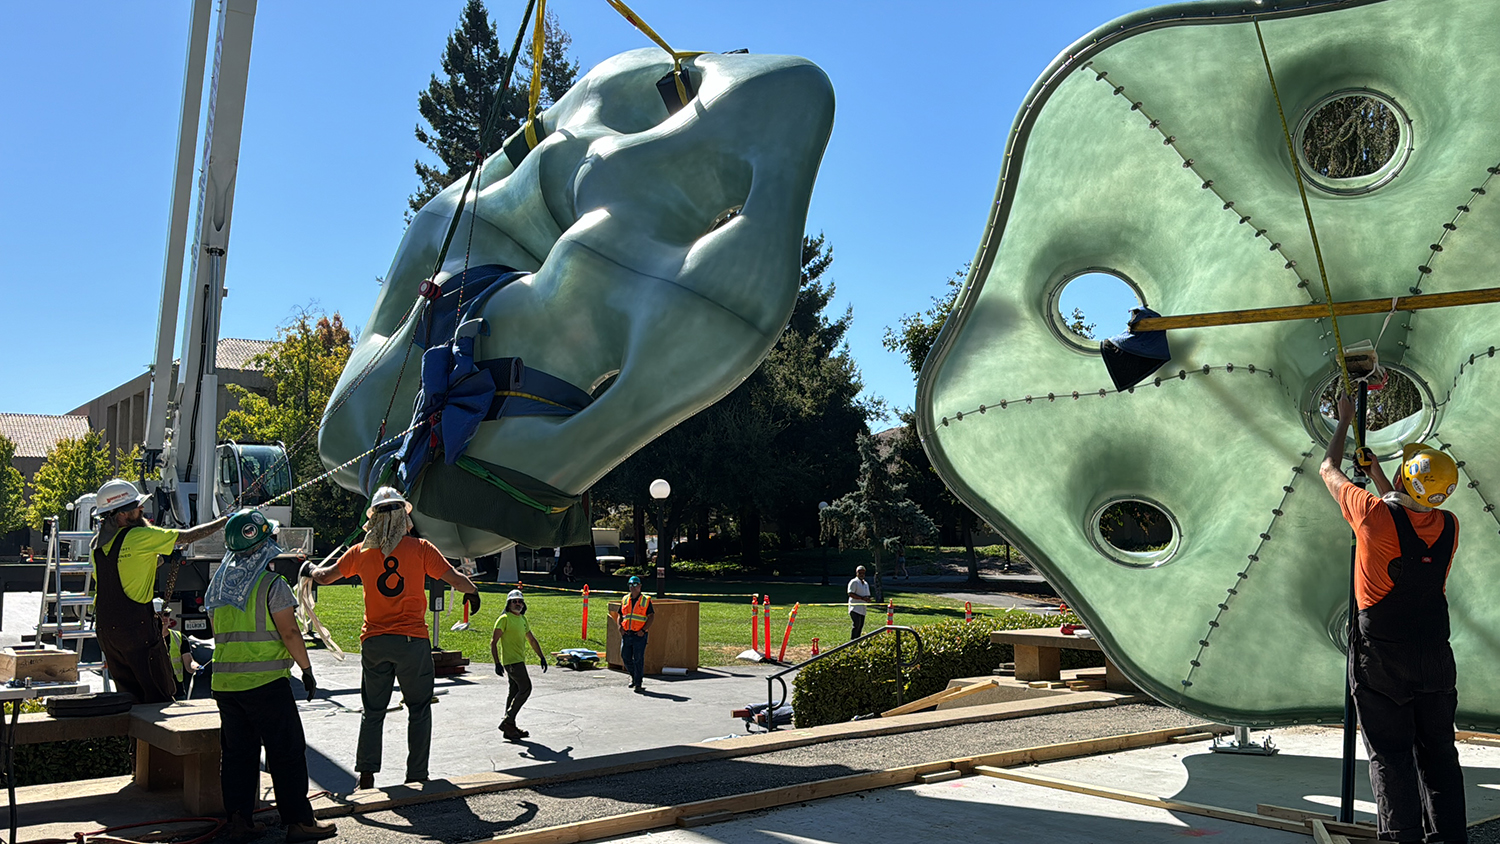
(1420, 302)
(940, 776)
(944, 696)
(1141, 799)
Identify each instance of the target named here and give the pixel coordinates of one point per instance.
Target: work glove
(499, 669)
(305, 570)
(308, 682)
(1364, 458)
(471, 599)
(541, 660)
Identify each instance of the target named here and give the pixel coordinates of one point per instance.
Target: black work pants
(1414, 769)
(265, 716)
(520, 690)
(856, 624)
(138, 665)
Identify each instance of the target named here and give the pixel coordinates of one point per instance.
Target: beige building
(120, 414)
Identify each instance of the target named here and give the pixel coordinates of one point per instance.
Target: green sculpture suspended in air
(626, 272)
(1153, 150)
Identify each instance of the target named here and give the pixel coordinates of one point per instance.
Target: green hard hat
(246, 529)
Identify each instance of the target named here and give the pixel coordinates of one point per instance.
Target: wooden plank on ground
(1191, 737)
(1285, 813)
(940, 776)
(690, 821)
(1322, 835)
(944, 696)
(1141, 799)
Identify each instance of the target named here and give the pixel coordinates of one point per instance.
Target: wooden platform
(1039, 655)
(176, 746)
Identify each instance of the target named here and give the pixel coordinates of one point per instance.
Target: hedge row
(66, 761)
(862, 679)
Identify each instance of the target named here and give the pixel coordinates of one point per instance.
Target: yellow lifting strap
(538, 43)
(677, 56)
(1338, 341)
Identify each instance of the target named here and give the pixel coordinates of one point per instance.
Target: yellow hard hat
(1431, 475)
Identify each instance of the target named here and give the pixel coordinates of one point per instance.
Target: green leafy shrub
(66, 761)
(862, 679)
(701, 568)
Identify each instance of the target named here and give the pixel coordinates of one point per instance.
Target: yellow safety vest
(174, 645)
(633, 615)
(248, 651)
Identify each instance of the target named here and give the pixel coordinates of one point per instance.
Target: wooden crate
(46, 665)
(672, 642)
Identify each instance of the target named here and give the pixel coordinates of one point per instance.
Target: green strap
(474, 468)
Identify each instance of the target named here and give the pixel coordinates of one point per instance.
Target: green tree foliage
(915, 335)
(12, 489)
(913, 339)
(456, 107)
(72, 467)
(877, 515)
(1350, 137)
(775, 446)
(304, 363)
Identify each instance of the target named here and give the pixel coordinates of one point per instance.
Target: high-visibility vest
(633, 615)
(248, 651)
(174, 645)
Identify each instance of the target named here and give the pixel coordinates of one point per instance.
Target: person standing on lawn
(859, 596)
(636, 615)
(393, 567)
(256, 643)
(508, 647)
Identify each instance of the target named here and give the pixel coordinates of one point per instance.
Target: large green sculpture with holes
(657, 254)
(1152, 149)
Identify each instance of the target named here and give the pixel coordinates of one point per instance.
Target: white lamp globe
(660, 489)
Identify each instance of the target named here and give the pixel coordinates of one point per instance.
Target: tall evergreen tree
(913, 339)
(456, 107)
(773, 447)
(877, 515)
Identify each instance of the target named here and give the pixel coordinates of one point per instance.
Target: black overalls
(129, 633)
(1404, 678)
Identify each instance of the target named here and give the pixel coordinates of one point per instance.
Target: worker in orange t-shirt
(393, 568)
(1403, 672)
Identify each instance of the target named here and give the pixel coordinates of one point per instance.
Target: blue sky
(89, 94)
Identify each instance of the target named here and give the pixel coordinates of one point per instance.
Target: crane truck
(202, 478)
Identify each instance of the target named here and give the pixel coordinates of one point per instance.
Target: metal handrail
(901, 665)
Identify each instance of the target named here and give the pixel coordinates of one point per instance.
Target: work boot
(366, 780)
(312, 831)
(241, 830)
(508, 729)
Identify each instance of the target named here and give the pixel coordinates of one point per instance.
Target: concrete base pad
(1304, 776)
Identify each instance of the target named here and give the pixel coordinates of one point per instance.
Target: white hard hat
(515, 595)
(118, 494)
(384, 497)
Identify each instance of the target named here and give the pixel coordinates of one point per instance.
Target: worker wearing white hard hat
(507, 646)
(393, 567)
(127, 550)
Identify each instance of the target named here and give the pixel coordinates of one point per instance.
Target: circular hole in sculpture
(1352, 142)
(1092, 305)
(1135, 532)
(1398, 413)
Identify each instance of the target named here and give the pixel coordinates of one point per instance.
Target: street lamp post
(823, 505)
(660, 489)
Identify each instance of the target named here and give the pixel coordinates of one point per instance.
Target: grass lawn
(723, 616)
